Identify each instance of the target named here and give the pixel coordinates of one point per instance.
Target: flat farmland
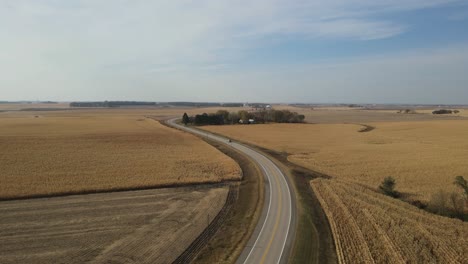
(424, 157)
(47, 153)
(19, 106)
(363, 116)
(63, 110)
(150, 226)
(368, 227)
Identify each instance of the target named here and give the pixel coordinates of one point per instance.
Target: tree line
(201, 104)
(162, 104)
(445, 111)
(223, 117)
(111, 104)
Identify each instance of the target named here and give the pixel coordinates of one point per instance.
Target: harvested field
(372, 228)
(63, 110)
(19, 106)
(151, 226)
(423, 157)
(347, 115)
(72, 152)
(321, 115)
(368, 227)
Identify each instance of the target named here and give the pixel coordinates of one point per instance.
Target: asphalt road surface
(272, 238)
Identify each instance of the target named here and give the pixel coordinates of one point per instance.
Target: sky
(287, 51)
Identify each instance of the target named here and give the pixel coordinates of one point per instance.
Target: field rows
(53, 155)
(369, 227)
(152, 226)
(423, 157)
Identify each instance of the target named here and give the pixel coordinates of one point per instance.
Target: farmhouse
(250, 121)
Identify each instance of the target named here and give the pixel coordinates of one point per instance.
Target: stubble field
(422, 152)
(333, 115)
(424, 157)
(368, 227)
(47, 153)
(150, 226)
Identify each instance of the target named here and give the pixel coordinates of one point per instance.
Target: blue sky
(350, 51)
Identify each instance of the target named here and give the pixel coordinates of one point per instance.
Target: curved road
(272, 238)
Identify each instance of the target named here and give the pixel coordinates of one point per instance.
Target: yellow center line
(276, 223)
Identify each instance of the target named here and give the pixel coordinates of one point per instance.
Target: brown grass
(75, 152)
(423, 157)
(372, 228)
(229, 241)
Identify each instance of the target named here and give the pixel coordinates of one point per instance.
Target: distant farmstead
(250, 121)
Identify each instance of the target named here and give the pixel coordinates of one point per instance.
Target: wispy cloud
(359, 29)
(192, 30)
(86, 43)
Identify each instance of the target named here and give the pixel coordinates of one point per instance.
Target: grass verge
(313, 236)
(229, 241)
(227, 244)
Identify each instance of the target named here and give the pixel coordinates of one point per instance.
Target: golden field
(63, 109)
(337, 115)
(368, 227)
(424, 157)
(19, 106)
(72, 151)
(372, 228)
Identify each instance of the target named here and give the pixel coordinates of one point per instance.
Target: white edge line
(290, 213)
(269, 183)
(266, 217)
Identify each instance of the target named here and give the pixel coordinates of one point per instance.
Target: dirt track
(151, 226)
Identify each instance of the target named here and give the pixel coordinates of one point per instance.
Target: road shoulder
(313, 239)
(235, 232)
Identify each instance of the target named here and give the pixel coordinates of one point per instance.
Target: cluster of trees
(224, 117)
(445, 111)
(111, 104)
(452, 204)
(277, 116)
(208, 119)
(442, 203)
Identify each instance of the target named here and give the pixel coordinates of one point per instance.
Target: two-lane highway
(270, 242)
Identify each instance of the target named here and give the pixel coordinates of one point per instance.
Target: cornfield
(85, 153)
(369, 227)
(424, 157)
